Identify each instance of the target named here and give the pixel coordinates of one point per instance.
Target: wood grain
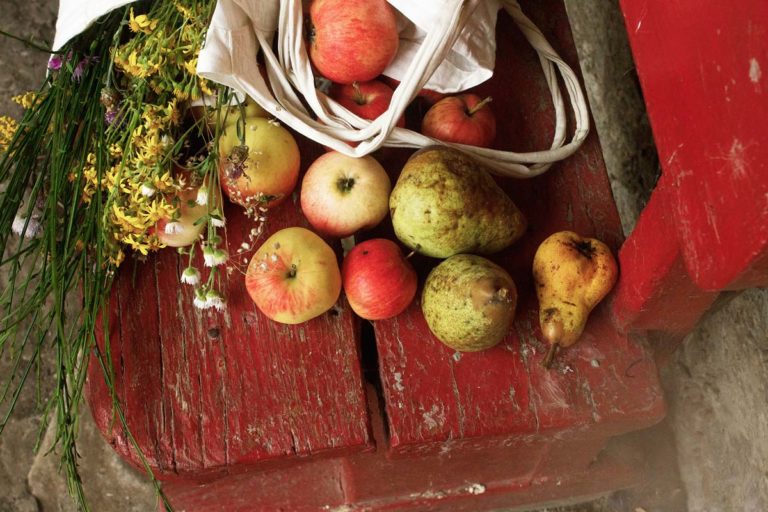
(604, 385)
(206, 391)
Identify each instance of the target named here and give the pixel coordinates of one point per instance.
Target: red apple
(293, 277)
(341, 194)
(269, 167)
(464, 119)
(366, 99)
(352, 40)
(378, 280)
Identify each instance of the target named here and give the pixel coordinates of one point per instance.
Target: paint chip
(476, 489)
(755, 73)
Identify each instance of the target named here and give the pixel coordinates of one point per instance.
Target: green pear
(469, 302)
(446, 203)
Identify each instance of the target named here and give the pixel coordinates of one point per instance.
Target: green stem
(29, 42)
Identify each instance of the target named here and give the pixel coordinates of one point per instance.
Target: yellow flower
(136, 243)
(156, 210)
(152, 120)
(117, 258)
(191, 66)
(8, 127)
(164, 182)
(129, 223)
(131, 66)
(172, 113)
(141, 23)
(184, 11)
(205, 88)
(26, 100)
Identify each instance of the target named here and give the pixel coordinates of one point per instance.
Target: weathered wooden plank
(208, 390)
(705, 81)
(434, 395)
(655, 292)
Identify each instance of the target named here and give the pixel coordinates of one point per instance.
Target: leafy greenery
(103, 157)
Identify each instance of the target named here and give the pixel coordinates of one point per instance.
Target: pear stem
(551, 353)
(410, 255)
(478, 106)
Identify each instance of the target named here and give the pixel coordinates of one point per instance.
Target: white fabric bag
(242, 28)
(446, 45)
(77, 15)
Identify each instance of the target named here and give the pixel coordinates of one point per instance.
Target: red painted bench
(237, 413)
(705, 229)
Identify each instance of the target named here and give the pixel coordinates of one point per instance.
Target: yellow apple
(263, 168)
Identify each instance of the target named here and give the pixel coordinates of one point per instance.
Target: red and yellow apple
(464, 119)
(378, 279)
(187, 227)
(294, 276)
(352, 40)
(341, 194)
(366, 99)
(261, 169)
(191, 219)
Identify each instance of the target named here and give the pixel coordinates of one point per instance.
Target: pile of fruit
(444, 205)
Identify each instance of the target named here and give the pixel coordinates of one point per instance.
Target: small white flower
(202, 196)
(200, 301)
(173, 228)
(166, 140)
(214, 257)
(33, 226)
(218, 222)
(214, 300)
(148, 190)
(190, 276)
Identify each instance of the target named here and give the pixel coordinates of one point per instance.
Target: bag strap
(293, 98)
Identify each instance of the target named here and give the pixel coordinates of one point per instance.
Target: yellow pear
(572, 275)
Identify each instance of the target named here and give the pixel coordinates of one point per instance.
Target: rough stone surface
(718, 394)
(716, 386)
(617, 104)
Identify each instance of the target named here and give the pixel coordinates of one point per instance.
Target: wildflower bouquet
(107, 161)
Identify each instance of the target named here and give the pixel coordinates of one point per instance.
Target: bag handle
(325, 121)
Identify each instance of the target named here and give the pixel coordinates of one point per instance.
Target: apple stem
(347, 244)
(359, 99)
(479, 105)
(551, 353)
